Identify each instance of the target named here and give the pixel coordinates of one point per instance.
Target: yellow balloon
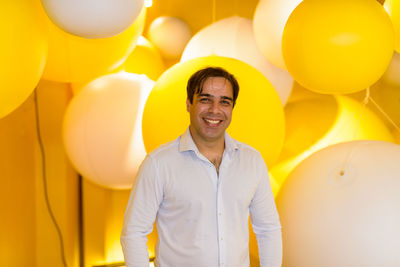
(76, 59)
(257, 117)
(300, 93)
(145, 59)
(393, 8)
(23, 50)
(198, 14)
(337, 46)
(317, 122)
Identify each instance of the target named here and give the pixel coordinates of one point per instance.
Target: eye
(226, 102)
(205, 100)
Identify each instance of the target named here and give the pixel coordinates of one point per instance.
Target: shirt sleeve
(144, 200)
(265, 222)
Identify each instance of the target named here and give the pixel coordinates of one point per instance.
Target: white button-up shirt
(201, 215)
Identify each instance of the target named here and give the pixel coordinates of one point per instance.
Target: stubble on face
(211, 111)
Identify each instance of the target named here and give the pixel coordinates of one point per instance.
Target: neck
(209, 148)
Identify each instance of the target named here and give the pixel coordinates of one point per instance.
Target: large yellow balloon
(393, 8)
(76, 59)
(145, 59)
(257, 117)
(23, 51)
(317, 122)
(337, 46)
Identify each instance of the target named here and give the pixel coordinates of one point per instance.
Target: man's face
(211, 110)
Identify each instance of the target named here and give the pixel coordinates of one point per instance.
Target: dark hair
(196, 81)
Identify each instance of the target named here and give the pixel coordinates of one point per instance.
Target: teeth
(212, 121)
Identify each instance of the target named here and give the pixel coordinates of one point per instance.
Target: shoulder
(249, 154)
(247, 149)
(165, 151)
(159, 157)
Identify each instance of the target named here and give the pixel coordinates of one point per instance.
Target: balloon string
(363, 108)
(385, 114)
(44, 178)
(348, 156)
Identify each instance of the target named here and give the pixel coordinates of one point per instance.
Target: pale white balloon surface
(233, 37)
(170, 35)
(340, 207)
(103, 129)
(269, 21)
(93, 18)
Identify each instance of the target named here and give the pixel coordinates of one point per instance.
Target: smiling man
(201, 188)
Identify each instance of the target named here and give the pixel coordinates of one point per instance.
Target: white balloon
(93, 18)
(170, 35)
(341, 207)
(103, 129)
(233, 37)
(269, 21)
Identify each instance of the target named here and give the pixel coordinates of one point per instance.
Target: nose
(214, 107)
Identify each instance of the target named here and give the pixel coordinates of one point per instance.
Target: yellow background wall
(27, 234)
(17, 187)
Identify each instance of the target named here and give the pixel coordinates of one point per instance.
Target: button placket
(220, 218)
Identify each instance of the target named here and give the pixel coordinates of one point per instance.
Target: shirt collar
(186, 143)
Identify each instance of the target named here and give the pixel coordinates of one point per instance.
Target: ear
(187, 104)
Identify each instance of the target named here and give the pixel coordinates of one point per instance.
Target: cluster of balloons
(59, 49)
(303, 67)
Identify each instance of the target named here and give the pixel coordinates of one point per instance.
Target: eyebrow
(222, 97)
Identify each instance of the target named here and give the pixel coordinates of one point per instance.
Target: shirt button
(219, 213)
(222, 239)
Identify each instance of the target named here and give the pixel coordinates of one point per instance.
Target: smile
(212, 122)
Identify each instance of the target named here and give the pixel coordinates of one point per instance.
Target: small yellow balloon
(337, 46)
(76, 59)
(257, 116)
(199, 14)
(145, 59)
(393, 8)
(23, 51)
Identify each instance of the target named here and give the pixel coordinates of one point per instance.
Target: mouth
(212, 122)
